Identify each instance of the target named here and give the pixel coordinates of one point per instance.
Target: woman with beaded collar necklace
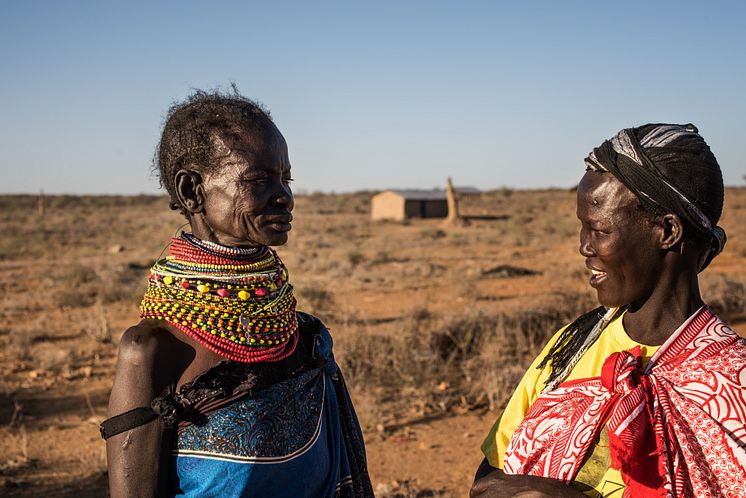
(223, 388)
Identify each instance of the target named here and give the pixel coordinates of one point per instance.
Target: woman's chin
(265, 238)
(608, 301)
(276, 239)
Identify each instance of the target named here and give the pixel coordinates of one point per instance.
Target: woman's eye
(288, 180)
(255, 181)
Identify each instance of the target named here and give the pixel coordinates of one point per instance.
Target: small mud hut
(400, 205)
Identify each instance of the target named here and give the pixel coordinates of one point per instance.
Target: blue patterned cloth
(287, 440)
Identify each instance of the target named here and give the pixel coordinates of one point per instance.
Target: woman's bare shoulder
(151, 354)
(153, 351)
(144, 343)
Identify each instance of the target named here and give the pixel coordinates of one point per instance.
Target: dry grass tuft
(96, 325)
(355, 258)
(472, 360)
(725, 295)
(433, 233)
(314, 299)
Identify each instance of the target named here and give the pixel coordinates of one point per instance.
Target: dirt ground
(433, 323)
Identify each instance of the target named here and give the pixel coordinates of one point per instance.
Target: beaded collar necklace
(237, 302)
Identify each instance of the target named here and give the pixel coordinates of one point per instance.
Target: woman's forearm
(138, 461)
(495, 483)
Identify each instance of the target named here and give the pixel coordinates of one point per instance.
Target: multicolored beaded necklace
(236, 302)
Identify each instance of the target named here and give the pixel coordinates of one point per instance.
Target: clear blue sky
(368, 94)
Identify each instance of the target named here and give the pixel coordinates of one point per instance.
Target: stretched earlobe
(190, 191)
(673, 231)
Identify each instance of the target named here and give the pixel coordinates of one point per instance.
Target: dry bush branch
(470, 361)
(725, 295)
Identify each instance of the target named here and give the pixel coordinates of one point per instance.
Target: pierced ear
(673, 231)
(190, 190)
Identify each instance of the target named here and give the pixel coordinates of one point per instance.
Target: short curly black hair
(188, 137)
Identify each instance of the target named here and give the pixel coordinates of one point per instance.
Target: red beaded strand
(236, 302)
(238, 353)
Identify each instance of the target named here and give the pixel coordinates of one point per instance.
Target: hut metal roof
(430, 195)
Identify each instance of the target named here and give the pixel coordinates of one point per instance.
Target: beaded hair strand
(569, 343)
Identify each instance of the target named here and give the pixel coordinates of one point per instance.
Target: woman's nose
(585, 246)
(284, 196)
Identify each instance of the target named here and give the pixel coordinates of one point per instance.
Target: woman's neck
(675, 298)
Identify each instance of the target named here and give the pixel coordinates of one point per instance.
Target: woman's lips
(597, 276)
(280, 226)
(280, 223)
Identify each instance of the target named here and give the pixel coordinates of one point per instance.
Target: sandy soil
(71, 278)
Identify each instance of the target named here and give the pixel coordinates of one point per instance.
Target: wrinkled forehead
(254, 138)
(602, 191)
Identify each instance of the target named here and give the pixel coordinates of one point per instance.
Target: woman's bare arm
(139, 458)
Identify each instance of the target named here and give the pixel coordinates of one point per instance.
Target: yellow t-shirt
(595, 477)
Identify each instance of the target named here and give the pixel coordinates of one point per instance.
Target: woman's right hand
(494, 483)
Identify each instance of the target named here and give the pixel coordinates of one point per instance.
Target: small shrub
(420, 314)
(96, 325)
(10, 248)
(75, 297)
(126, 284)
(433, 233)
(381, 257)
(725, 296)
(51, 357)
(355, 258)
(314, 299)
(20, 343)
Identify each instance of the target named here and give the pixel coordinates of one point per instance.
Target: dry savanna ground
(433, 324)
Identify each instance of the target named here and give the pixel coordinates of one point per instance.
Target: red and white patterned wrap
(678, 429)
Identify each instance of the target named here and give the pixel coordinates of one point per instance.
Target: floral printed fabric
(676, 429)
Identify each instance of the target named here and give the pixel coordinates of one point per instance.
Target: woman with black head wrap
(646, 395)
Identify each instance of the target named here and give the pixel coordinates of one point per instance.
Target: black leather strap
(126, 421)
(222, 381)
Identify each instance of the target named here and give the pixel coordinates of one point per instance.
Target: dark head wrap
(671, 169)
